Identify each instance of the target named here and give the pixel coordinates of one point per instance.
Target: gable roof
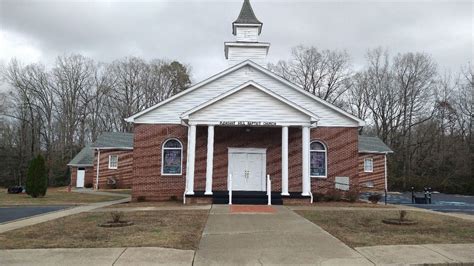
(114, 140)
(372, 145)
(247, 16)
(84, 158)
(257, 86)
(259, 68)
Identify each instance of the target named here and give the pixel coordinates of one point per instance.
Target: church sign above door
(247, 123)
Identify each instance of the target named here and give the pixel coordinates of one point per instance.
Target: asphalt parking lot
(10, 213)
(440, 202)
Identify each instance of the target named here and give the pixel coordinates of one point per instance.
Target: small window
(172, 157)
(368, 165)
(318, 158)
(113, 161)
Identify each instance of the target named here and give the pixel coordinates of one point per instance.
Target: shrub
(333, 195)
(116, 216)
(88, 185)
(37, 179)
(318, 197)
(375, 198)
(141, 198)
(352, 195)
(173, 198)
(403, 214)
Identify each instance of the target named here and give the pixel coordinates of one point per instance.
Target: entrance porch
(248, 154)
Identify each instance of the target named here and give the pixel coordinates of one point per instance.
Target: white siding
(247, 34)
(171, 111)
(263, 107)
(239, 54)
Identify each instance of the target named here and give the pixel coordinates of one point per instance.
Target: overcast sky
(193, 32)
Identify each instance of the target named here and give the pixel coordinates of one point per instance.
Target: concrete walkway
(439, 254)
(57, 214)
(273, 238)
(97, 256)
(157, 208)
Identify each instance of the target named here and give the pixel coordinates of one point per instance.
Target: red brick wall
(377, 176)
(88, 178)
(342, 146)
(124, 172)
(148, 182)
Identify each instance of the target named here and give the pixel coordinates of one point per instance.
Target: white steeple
(246, 28)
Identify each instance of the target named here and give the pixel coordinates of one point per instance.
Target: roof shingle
(372, 145)
(114, 140)
(247, 16)
(84, 158)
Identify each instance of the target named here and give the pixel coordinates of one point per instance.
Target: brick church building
(245, 125)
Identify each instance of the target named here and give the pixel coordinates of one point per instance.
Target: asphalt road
(12, 213)
(440, 202)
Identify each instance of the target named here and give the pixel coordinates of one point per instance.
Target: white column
(385, 173)
(284, 161)
(210, 159)
(190, 162)
(306, 182)
(97, 173)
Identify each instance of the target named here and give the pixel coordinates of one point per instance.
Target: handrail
(311, 195)
(230, 188)
(184, 197)
(269, 190)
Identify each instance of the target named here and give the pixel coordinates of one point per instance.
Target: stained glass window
(172, 157)
(318, 159)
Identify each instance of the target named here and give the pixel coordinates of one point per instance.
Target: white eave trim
(248, 44)
(313, 117)
(80, 165)
(233, 68)
(377, 152)
(112, 148)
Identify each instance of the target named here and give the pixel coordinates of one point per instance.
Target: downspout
(97, 174)
(385, 164)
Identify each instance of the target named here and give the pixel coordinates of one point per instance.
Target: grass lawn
(151, 204)
(359, 204)
(172, 229)
(118, 191)
(54, 196)
(360, 228)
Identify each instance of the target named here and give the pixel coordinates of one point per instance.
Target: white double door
(247, 167)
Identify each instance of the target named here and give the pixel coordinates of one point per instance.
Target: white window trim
(163, 157)
(325, 158)
(365, 166)
(110, 159)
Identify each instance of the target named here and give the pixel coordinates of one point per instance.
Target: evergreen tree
(37, 179)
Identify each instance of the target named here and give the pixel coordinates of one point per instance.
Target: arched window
(172, 157)
(318, 155)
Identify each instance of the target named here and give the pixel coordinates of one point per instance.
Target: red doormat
(252, 209)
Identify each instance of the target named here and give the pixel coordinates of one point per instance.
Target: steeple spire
(246, 17)
(246, 28)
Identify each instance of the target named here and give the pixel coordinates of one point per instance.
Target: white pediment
(249, 103)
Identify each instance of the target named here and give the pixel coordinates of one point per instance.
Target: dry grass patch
(359, 204)
(171, 229)
(365, 228)
(147, 204)
(54, 196)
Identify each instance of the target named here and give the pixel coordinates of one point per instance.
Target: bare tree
(323, 73)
